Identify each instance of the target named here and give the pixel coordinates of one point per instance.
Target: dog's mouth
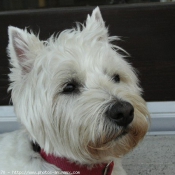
(118, 135)
(122, 134)
(108, 141)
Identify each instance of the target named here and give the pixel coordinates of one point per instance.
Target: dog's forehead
(88, 61)
(85, 51)
(75, 53)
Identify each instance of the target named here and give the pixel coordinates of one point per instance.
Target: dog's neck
(66, 166)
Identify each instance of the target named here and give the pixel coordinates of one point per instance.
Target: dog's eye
(116, 78)
(72, 87)
(69, 88)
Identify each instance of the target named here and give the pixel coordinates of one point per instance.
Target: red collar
(66, 166)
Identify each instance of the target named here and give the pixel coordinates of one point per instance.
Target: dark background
(148, 34)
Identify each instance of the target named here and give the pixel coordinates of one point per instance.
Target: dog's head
(75, 94)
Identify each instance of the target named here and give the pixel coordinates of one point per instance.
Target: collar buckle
(106, 168)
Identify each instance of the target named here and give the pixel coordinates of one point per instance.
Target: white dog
(78, 100)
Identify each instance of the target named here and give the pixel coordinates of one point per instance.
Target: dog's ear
(96, 25)
(96, 17)
(23, 48)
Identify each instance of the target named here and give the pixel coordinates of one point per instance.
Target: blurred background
(37, 4)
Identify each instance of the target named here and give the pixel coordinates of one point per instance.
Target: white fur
(69, 125)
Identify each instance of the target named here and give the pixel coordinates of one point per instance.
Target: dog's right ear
(23, 48)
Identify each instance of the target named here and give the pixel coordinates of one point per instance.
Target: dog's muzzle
(121, 113)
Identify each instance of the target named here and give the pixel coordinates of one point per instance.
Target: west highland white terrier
(79, 102)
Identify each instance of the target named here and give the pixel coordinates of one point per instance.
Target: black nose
(122, 113)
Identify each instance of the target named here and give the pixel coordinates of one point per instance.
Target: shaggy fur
(72, 125)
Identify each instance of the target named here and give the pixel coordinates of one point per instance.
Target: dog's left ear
(96, 17)
(95, 25)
